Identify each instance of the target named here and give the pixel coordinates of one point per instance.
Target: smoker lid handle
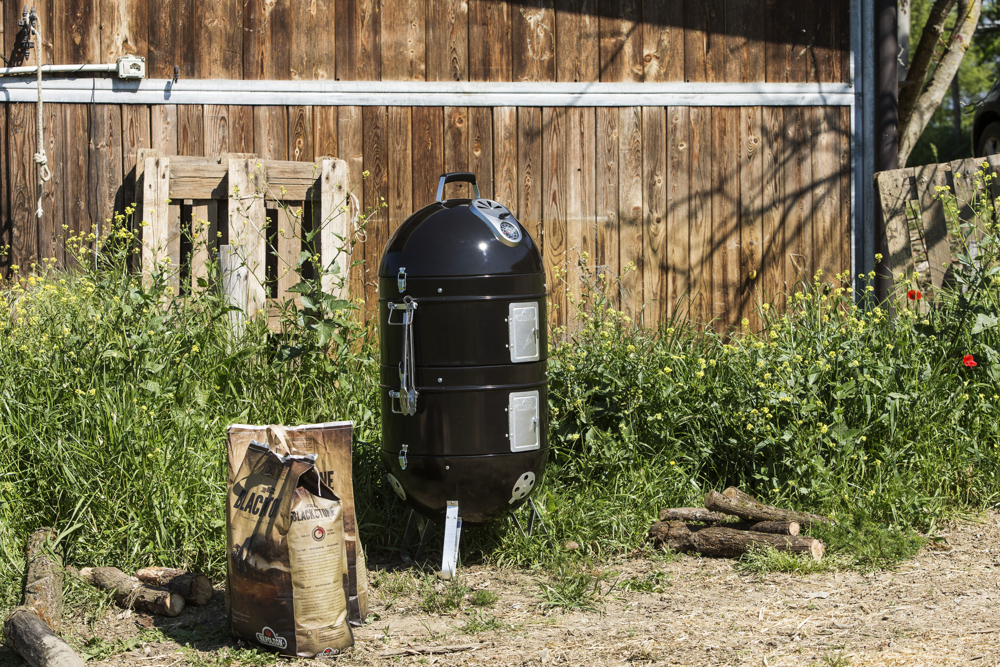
(457, 176)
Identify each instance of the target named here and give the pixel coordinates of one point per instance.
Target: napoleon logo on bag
(269, 638)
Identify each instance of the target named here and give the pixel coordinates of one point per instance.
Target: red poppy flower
(969, 361)
(914, 295)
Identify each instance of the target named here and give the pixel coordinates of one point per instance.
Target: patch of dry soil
(941, 608)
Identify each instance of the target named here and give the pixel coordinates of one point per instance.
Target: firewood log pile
(731, 523)
(32, 629)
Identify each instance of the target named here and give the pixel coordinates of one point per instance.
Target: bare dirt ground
(941, 608)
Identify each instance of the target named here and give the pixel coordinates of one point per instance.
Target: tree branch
(917, 103)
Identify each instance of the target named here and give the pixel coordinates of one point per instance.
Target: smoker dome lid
(461, 237)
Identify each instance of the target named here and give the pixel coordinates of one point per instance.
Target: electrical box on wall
(131, 67)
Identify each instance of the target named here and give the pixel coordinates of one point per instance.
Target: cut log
(43, 580)
(34, 641)
(749, 509)
(693, 514)
(773, 527)
(193, 587)
(129, 593)
(720, 542)
(733, 493)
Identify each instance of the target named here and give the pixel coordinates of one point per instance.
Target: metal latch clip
(401, 279)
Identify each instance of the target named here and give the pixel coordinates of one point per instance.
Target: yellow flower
(823, 428)
(673, 463)
(700, 374)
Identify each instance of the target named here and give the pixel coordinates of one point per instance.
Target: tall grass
(115, 394)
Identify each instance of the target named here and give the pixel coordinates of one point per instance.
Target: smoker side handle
(457, 177)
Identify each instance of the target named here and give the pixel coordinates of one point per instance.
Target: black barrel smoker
(463, 348)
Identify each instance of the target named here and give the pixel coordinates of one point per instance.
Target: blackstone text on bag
(287, 557)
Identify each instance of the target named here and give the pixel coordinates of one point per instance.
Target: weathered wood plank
(751, 222)
(505, 157)
(217, 36)
(336, 236)
(164, 128)
(456, 148)
(157, 225)
(696, 41)
(324, 134)
(533, 36)
(578, 55)
(581, 233)
(400, 167)
(715, 43)
(350, 140)
(621, 45)
(248, 228)
(23, 175)
(630, 219)
(198, 181)
(403, 46)
(489, 40)
(77, 118)
(428, 153)
(5, 221)
(216, 132)
(190, 129)
(656, 268)
(447, 30)
(929, 177)
(312, 51)
(78, 39)
(357, 41)
(51, 236)
(676, 299)
(481, 148)
(734, 39)
(529, 172)
(135, 135)
(291, 180)
(204, 239)
(606, 201)
(554, 193)
(826, 194)
(726, 195)
(124, 29)
(270, 132)
(241, 125)
(799, 265)
(773, 152)
(700, 211)
(105, 166)
(376, 191)
(843, 116)
(300, 134)
(663, 40)
(289, 245)
(172, 24)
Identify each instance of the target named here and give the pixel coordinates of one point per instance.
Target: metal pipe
(67, 69)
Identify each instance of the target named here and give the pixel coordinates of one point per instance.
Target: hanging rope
(40, 158)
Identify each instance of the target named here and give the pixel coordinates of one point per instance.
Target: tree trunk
(130, 594)
(918, 101)
(773, 527)
(193, 587)
(34, 641)
(749, 509)
(692, 514)
(43, 580)
(720, 542)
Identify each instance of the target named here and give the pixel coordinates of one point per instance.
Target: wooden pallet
(916, 227)
(250, 213)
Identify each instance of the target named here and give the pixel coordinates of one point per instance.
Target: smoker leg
(452, 535)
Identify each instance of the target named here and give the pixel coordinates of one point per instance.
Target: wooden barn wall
(713, 206)
(452, 40)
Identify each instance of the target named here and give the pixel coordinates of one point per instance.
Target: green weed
(763, 559)
(442, 597)
(570, 585)
(483, 598)
(478, 622)
(653, 582)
